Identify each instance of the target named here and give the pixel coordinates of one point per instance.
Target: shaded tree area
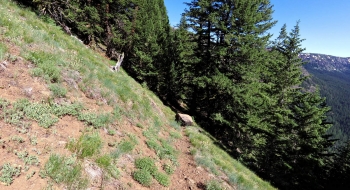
(139, 28)
(221, 65)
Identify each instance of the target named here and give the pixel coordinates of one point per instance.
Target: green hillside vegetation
(71, 71)
(219, 65)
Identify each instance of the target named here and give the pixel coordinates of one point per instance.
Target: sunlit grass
(215, 160)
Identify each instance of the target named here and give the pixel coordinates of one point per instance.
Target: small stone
(28, 91)
(111, 144)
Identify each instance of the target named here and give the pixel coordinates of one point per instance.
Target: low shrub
(162, 178)
(64, 170)
(143, 177)
(86, 146)
(147, 164)
(57, 90)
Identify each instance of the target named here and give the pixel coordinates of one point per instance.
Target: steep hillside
(332, 75)
(67, 121)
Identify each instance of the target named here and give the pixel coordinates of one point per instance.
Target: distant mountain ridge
(326, 62)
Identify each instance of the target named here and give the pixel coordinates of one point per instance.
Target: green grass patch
(147, 164)
(106, 163)
(65, 170)
(207, 163)
(125, 146)
(18, 139)
(47, 62)
(143, 177)
(86, 146)
(162, 178)
(146, 169)
(3, 50)
(208, 155)
(175, 134)
(111, 132)
(164, 149)
(96, 120)
(175, 125)
(67, 109)
(213, 185)
(57, 90)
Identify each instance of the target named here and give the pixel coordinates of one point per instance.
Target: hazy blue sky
(325, 24)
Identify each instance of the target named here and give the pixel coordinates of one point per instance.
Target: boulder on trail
(184, 119)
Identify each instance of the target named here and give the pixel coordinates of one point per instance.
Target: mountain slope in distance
(332, 75)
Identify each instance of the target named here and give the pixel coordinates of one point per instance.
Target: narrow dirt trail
(188, 175)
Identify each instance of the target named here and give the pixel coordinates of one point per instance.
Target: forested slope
(331, 75)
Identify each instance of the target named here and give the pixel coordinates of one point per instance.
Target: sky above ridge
(324, 24)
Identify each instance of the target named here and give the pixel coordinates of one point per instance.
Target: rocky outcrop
(184, 119)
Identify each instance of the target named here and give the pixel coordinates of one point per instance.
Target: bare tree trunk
(120, 58)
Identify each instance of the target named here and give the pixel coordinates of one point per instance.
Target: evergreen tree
(296, 143)
(151, 27)
(339, 169)
(231, 48)
(182, 59)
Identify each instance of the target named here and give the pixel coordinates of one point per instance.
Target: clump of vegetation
(41, 113)
(162, 178)
(105, 162)
(146, 169)
(111, 132)
(33, 140)
(147, 164)
(18, 139)
(139, 125)
(96, 120)
(45, 114)
(169, 169)
(64, 170)
(46, 64)
(8, 172)
(57, 90)
(28, 159)
(30, 175)
(67, 109)
(213, 185)
(143, 177)
(163, 149)
(125, 146)
(175, 125)
(86, 146)
(175, 134)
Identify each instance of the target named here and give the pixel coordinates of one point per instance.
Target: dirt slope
(17, 83)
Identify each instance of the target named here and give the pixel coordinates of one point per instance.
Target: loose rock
(185, 119)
